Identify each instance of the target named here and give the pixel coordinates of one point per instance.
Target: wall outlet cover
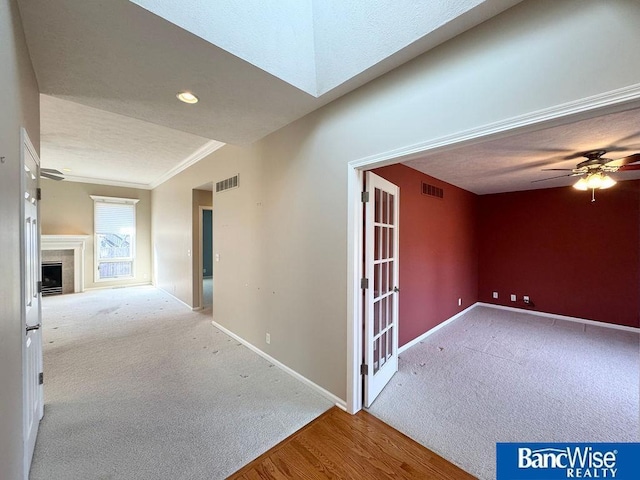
(495, 294)
(513, 297)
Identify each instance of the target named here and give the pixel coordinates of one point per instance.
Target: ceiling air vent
(432, 191)
(228, 184)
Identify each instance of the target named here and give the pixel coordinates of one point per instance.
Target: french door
(380, 285)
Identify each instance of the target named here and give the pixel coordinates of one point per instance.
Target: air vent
(228, 184)
(432, 191)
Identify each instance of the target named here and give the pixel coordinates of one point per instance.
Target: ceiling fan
(593, 171)
(51, 174)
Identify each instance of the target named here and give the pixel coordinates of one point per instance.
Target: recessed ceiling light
(187, 97)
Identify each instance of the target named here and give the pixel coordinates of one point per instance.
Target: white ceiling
(92, 145)
(109, 72)
(512, 163)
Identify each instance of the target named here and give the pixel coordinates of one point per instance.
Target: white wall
(283, 266)
(19, 107)
(67, 209)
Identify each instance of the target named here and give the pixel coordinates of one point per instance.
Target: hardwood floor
(337, 445)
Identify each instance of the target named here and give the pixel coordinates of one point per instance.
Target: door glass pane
(376, 205)
(376, 280)
(376, 239)
(376, 349)
(383, 349)
(391, 244)
(390, 342)
(391, 211)
(390, 312)
(385, 279)
(385, 241)
(384, 312)
(385, 206)
(391, 279)
(376, 318)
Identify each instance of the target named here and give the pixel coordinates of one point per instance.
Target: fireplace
(51, 278)
(68, 250)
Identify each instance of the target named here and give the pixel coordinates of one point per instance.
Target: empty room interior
(252, 218)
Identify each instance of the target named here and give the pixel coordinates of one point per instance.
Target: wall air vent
(432, 191)
(228, 184)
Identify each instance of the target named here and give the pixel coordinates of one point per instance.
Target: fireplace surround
(76, 243)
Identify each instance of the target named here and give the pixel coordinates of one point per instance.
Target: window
(115, 237)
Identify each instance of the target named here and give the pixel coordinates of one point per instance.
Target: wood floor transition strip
(337, 445)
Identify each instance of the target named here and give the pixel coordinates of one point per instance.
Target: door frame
(608, 102)
(201, 209)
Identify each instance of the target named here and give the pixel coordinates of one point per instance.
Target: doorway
(206, 256)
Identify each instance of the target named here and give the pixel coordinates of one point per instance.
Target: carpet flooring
(498, 376)
(139, 387)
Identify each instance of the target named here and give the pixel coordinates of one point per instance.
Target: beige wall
(201, 198)
(19, 107)
(67, 209)
(282, 235)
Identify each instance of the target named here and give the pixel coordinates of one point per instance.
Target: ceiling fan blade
(559, 176)
(624, 161)
(51, 171)
(628, 168)
(557, 169)
(50, 176)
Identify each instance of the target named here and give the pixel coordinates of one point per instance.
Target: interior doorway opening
(202, 236)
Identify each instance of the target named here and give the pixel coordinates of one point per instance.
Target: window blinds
(115, 218)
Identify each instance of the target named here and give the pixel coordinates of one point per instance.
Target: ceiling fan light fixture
(594, 181)
(607, 182)
(581, 184)
(187, 97)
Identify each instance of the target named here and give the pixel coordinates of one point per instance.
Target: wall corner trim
(419, 338)
(325, 393)
(567, 318)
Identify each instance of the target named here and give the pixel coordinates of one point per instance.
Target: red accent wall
(438, 251)
(571, 256)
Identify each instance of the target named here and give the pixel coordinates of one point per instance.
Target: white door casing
(381, 289)
(32, 312)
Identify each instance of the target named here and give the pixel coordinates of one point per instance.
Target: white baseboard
(434, 329)
(561, 317)
(325, 393)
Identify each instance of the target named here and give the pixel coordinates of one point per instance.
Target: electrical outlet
(217, 257)
(495, 294)
(513, 297)
(459, 302)
(526, 299)
(268, 338)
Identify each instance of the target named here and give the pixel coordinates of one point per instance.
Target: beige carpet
(139, 387)
(499, 376)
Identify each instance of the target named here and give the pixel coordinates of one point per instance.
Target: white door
(381, 285)
(31, 272)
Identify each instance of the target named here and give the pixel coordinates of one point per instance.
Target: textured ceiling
(116, 56)
(102, 147)
(512, 163)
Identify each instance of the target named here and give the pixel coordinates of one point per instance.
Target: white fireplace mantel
(69, 242)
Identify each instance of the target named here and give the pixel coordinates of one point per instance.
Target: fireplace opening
(52, 278)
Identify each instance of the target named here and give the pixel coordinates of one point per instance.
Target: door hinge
(38, 194)
(364, 369)
(39, 286)
(365, 197)
(40, 378)
(364, 283)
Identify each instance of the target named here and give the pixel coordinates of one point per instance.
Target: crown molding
(102, 181)
(195, 157)
(608, 102)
